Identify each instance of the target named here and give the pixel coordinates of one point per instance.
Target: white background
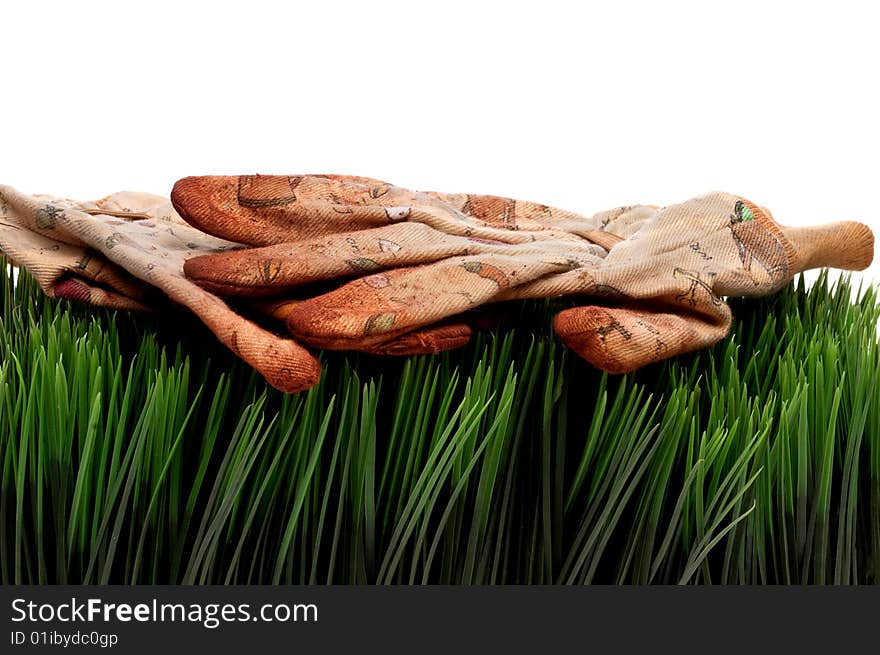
(579, 106)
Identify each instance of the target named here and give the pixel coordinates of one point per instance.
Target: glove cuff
(848, 245)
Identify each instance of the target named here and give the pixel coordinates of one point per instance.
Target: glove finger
(620, 340)
(79, 290)
(522, 215)
(271, 269)
(50, 261)
(93, 266)
(501, 211)
(370, 310)
(268, 209)
(427, 341)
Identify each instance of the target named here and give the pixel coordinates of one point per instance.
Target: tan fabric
(64, 269)
(415, 262)
(108, 252)
(422, 257)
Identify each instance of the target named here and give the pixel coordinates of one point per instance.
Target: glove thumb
(620, 340)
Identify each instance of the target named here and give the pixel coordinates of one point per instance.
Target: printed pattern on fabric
(348, 262)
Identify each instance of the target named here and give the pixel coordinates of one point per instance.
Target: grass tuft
(135, 450)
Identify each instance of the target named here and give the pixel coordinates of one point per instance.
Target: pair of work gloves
(352, 263)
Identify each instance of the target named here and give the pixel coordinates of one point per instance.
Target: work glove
(671, 276)
(664, 268)
(113, 251)
(333, 227)
(419, 258)
(64, 266)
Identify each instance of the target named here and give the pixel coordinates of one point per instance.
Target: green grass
(134, 449)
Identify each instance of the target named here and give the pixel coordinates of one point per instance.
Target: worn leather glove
(423, 257)
(109, 252)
